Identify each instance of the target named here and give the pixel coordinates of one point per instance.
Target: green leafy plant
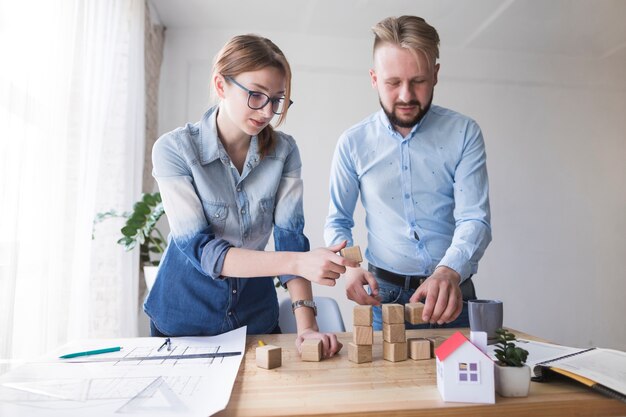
(140, 228)
(507, 353)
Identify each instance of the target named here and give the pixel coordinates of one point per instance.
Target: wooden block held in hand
(311, 350)
(359, 353)
(362, 316)
(353, 253)
(394, 352)
(419, 348)
(363, 335)
(269, 357)
(393, 313)
(394, 333)
(413, 313)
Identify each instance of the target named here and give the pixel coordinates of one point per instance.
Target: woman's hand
(330, 344)
(323, 265)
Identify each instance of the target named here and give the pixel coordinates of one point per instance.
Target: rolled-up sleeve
(190, 231)
(288, 212)
(472, 233)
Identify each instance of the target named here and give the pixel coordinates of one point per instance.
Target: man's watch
(304, 303)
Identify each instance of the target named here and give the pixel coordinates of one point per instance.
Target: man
(421, 171)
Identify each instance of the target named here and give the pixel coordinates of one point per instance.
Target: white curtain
(71, 131)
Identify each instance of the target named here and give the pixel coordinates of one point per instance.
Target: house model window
(469, 373)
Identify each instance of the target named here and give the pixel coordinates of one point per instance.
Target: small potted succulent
(140, 229)
(512, 375)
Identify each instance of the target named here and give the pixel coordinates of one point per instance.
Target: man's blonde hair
(410, 32)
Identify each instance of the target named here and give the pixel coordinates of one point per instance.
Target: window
(469, 373)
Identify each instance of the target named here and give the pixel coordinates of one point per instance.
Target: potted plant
(140, 229)
(512, 375)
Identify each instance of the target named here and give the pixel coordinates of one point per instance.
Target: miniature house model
(464, 372)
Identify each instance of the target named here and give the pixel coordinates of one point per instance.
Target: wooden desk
(337, 386)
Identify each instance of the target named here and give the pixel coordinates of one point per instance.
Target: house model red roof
(450, 345)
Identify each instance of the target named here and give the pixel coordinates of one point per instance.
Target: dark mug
(485, 316)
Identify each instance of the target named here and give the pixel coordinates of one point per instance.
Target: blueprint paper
(185, 387)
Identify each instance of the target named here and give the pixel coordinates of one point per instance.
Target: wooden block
(362, 316)
(394, 352)
(419, 348)
(413, 313)
(311, 350)
(393, 313)
(435, 342)
(363, 335)
(268, 357)
(394, 333)
(359, 353)
(353, 253)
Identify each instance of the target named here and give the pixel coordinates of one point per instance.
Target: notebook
(603, 370)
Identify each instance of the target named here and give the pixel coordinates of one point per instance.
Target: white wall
(554, 129)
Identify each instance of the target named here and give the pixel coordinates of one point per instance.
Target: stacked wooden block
(418, 348)
(360, 349)
(394, 333)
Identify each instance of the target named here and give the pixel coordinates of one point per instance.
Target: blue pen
(91, 352)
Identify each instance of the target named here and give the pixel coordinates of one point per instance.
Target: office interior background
(545, 81)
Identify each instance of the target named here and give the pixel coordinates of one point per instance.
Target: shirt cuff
(454, 259)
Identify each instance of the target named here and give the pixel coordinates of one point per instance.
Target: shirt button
(234, 291)
(238, 189)
(405, 167)
(230, 313)
(217, 215)
(406, 196)
(243, 211)
(245, 235)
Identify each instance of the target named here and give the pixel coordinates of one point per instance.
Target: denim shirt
(426, 195)
(211, 208)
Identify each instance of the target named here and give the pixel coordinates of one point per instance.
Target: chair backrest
(328, 316)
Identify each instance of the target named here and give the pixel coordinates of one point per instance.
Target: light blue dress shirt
(426, 195)
(211, 207)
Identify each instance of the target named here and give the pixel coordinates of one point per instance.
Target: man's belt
(467, 286)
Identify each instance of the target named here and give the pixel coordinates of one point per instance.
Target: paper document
(196, 386)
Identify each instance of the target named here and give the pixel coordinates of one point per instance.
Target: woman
(224, 182)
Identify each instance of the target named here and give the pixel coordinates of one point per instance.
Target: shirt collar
(385, 121)
(211, 148)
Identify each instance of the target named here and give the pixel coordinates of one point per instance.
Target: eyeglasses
(258, 100)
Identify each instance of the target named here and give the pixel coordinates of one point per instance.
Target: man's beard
(397, 122)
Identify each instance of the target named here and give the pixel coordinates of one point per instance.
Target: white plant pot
(150, 274)
(512, 381)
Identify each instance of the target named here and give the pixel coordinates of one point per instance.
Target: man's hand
(330, 344)
(442, 292)
(356, 278)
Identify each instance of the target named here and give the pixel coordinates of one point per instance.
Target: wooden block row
(394, 352)
(363, 335)
(413, 313)
(394, 333)
(419, 348)
(268, 357)
(393, 313)
(362, 316)
(359, 353)
(352, 253)
(311, 350)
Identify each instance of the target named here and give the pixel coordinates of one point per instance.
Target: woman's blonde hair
(245, 53)
(410, 32)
